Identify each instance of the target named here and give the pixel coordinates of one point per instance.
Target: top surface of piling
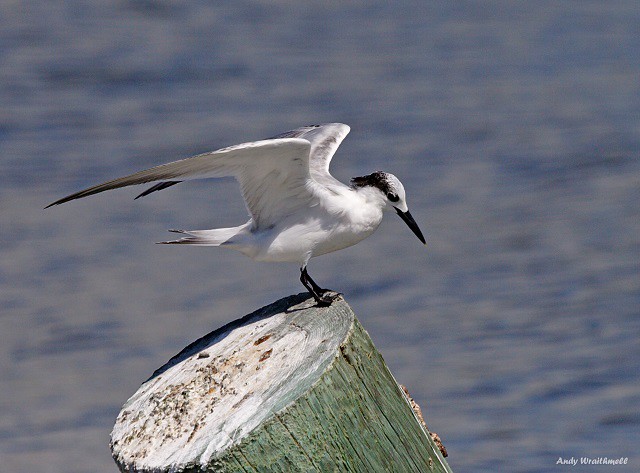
(221, 387)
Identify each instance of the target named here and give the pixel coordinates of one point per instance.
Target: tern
(297, 209)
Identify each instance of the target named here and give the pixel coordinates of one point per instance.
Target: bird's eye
(393, 197)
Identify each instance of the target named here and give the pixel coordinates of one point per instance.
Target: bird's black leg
(315, 286)
(319, 294)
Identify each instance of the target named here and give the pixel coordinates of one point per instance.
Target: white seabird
(297, 209)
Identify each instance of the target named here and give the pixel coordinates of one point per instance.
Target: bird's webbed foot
(325, 299)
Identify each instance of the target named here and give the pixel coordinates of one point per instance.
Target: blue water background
(515, 127)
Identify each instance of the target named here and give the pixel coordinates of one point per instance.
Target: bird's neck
(371, 197)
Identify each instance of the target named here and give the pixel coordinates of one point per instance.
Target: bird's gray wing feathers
(273, 175)
(325, 140)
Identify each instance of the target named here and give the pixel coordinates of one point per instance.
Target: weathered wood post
(290, 387)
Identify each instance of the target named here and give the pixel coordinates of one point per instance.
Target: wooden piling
(291, 387)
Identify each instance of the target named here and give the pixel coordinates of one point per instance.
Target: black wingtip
(57, 202)
(77, 195)
(158, 187)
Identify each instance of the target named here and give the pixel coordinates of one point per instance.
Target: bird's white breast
(337, 222)
(352, 219)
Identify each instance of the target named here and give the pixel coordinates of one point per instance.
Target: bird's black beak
(408, 219)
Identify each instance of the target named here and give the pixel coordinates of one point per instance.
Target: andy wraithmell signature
(573, 461)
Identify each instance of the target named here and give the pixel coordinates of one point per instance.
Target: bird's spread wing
(324, 140)
(273, 176)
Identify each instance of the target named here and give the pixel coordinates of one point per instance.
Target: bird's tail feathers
(214, 237)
